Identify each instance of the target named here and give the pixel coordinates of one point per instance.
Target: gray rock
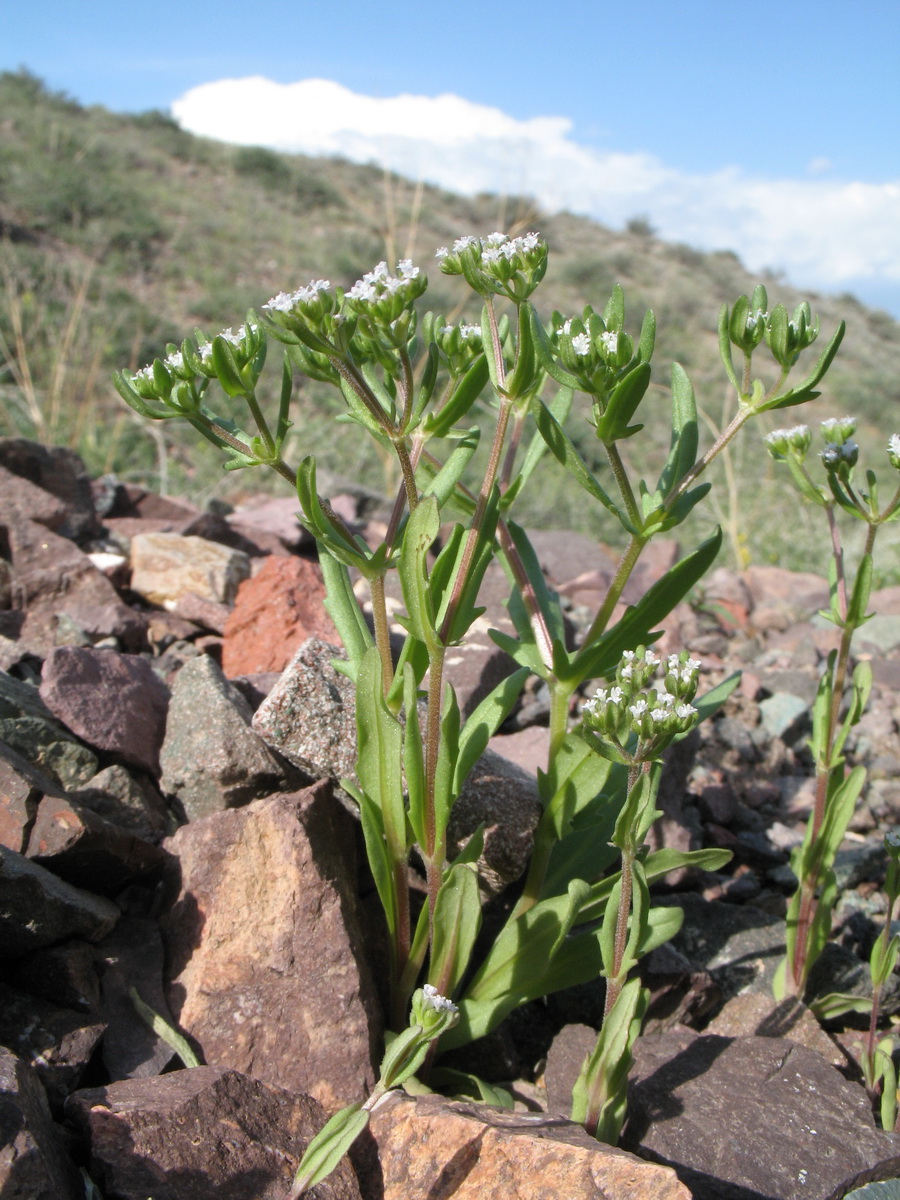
(783, 715)
(211, 758)
(309, 715)
(131, 803)
(115, 702)
(165, 566)
(34, 1164)
(750, 1117)
(204, 1134)
(37, 908)
(739, 946)
(46, 745)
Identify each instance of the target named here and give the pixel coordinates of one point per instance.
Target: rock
(21, 788)
(80, 847)
(56, 1042)
(504, 798)
(754, 1014)
(477, 665)
(65, 974)
(129, 802)
(784, 715)
(272, 515)
(309, 716)
(37, 908)
(527, 748)
(211, 758)
(429, 1146)
(60, 472)
(34, 1164)
(51, 575)
(565, 1058)
(264, 924)
(164, 566)
(796, 591)
(115, 702)
(21, 500)
(740, 947)
(49, 748)
(132, 956)
(274, 613)
(200, 1134)
(199, 610)
(794, 1128)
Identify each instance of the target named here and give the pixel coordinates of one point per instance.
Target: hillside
(120, 233)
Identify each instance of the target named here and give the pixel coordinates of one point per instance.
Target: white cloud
(821, 232)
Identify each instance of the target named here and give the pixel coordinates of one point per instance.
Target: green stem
(623, 571)
(382, 630)
(621, 478)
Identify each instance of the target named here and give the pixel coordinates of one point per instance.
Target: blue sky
(771, 128)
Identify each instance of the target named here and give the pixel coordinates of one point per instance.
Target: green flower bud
(836, 456)
(837, 430)
(497, 264)
(794, 442)
(894, 451)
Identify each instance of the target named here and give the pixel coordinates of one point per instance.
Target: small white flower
(894, 444)
(567, 326)
(175, 361)
(615, 695)
(362, 290)
(651, 659)
(442, 252)
(610, 341)
(685, 710)
(658, 715)
(435, 1000)
(462, 243)
(493, 240)
(638, 709)
(407, 269)
(581, 344)
(491, 255)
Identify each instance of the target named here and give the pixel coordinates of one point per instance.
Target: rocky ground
(171, 734)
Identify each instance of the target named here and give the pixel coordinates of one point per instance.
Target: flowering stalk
(431, 1015)
(809, 913)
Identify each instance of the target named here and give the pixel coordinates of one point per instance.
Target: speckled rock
(166, 565)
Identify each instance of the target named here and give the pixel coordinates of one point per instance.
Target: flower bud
(893, 451)
(795, 442)
(837, 430)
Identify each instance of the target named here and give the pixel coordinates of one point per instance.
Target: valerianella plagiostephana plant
(412, 384)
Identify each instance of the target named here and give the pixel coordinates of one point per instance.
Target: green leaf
(805, 390)
(862, 587)
(343, 608)
(329, 1146)
(546, 356)
(685, 438)
(599, 657)
(457, 921)
(413, 756)
(626, 396)
(564, 451)
(164, 1030)
(444, 482)
(484, 722)
(420, 534)
(379, 753)
(448, 753)
(725, 347)
(462, 1085)
(464, 395)
(601, 1087)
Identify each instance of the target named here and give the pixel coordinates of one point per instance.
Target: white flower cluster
(894, 444)
(175, 362)
(838, 429)
(650, 712)
(435, 1000)
(754, 319)
(795, 431)
(494, 247)
(235, 339)
(380, 282)
(581, 344)
(287, 301)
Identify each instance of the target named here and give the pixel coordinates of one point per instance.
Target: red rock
(34, 1164)
(275, 612)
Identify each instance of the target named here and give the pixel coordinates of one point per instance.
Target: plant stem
(382, 630)
(617, 586)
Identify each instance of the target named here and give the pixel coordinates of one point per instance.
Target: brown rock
(753, 1014)
(21, 500)
(527, 748)
(57, 1042)
(113, 701)
(200, 1134)
(432, 1147)
(51, 575)
(268, 969)
(275, 612)
(21, 788)
(60, 472)
(33, 1162)
(166, 565)
(272, 515)
(80, 847)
